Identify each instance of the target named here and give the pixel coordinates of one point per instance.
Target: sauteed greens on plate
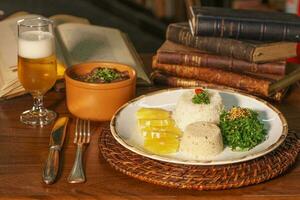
(241, 128)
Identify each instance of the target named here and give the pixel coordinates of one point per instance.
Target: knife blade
(57, 137)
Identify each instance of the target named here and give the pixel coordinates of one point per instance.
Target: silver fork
(82, 137)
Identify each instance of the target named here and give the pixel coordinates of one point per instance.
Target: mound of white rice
(201, 140)
(186, 112)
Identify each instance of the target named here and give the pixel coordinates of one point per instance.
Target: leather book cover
(173, 81)
(172, 53)
(251, 51)
(244, 24)
(216, 76)
(262, 84)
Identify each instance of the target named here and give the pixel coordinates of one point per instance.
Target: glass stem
(38, 104)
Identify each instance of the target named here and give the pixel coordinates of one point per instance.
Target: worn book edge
(288, 80)
(195, 57)
(161, 78)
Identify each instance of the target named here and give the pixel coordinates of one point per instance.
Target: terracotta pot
(97, 101)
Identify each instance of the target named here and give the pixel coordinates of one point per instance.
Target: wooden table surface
(23, 150)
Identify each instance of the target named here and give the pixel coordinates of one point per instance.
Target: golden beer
(37, 75)
(36, 61)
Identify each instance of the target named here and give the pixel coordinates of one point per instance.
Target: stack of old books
(245, 50)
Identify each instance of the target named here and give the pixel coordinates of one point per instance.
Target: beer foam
(36, 44)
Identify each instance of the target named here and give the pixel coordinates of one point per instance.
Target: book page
(83, 43)
(8, 49)
(61, 19)
(17, 14)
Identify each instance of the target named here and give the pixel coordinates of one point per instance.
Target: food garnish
(198, 90)
(161, 136)
(238, 112)
(241, 129)
(201, 97)
(103, 75)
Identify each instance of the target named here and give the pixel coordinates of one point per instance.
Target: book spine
(159, 78)
(221, 46)
(248, 29)
(271, 77)
(220, 62)
(216, 76)
(162, 79)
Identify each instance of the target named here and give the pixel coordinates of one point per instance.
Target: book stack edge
(249, 62)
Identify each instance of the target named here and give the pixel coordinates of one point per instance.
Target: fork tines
(82, 131)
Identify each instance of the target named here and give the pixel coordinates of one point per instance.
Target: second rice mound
(202, 140)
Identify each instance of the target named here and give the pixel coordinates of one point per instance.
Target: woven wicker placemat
(199, 177)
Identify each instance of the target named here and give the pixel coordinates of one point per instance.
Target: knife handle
(51, 166)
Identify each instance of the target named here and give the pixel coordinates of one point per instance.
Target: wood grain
(23, 150)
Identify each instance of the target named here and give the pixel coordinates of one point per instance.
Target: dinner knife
(57, 137)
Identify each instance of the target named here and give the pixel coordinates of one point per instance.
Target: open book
(77, 42)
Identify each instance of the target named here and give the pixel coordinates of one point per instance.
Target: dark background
(145, 39)
(145, 27)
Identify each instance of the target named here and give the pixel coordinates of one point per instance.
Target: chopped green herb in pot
(241, 128)
(201, 97)
(103, 75)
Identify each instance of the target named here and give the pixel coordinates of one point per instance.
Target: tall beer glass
(36, 66)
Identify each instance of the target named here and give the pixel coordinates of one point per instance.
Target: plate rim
(200, 162)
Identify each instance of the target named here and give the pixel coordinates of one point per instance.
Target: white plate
(124, 126)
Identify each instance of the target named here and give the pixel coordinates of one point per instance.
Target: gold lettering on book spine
(262, 30)
(285, 32)
(239, 29)
(222, 24)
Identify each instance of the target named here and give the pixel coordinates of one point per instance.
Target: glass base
(38, 118)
